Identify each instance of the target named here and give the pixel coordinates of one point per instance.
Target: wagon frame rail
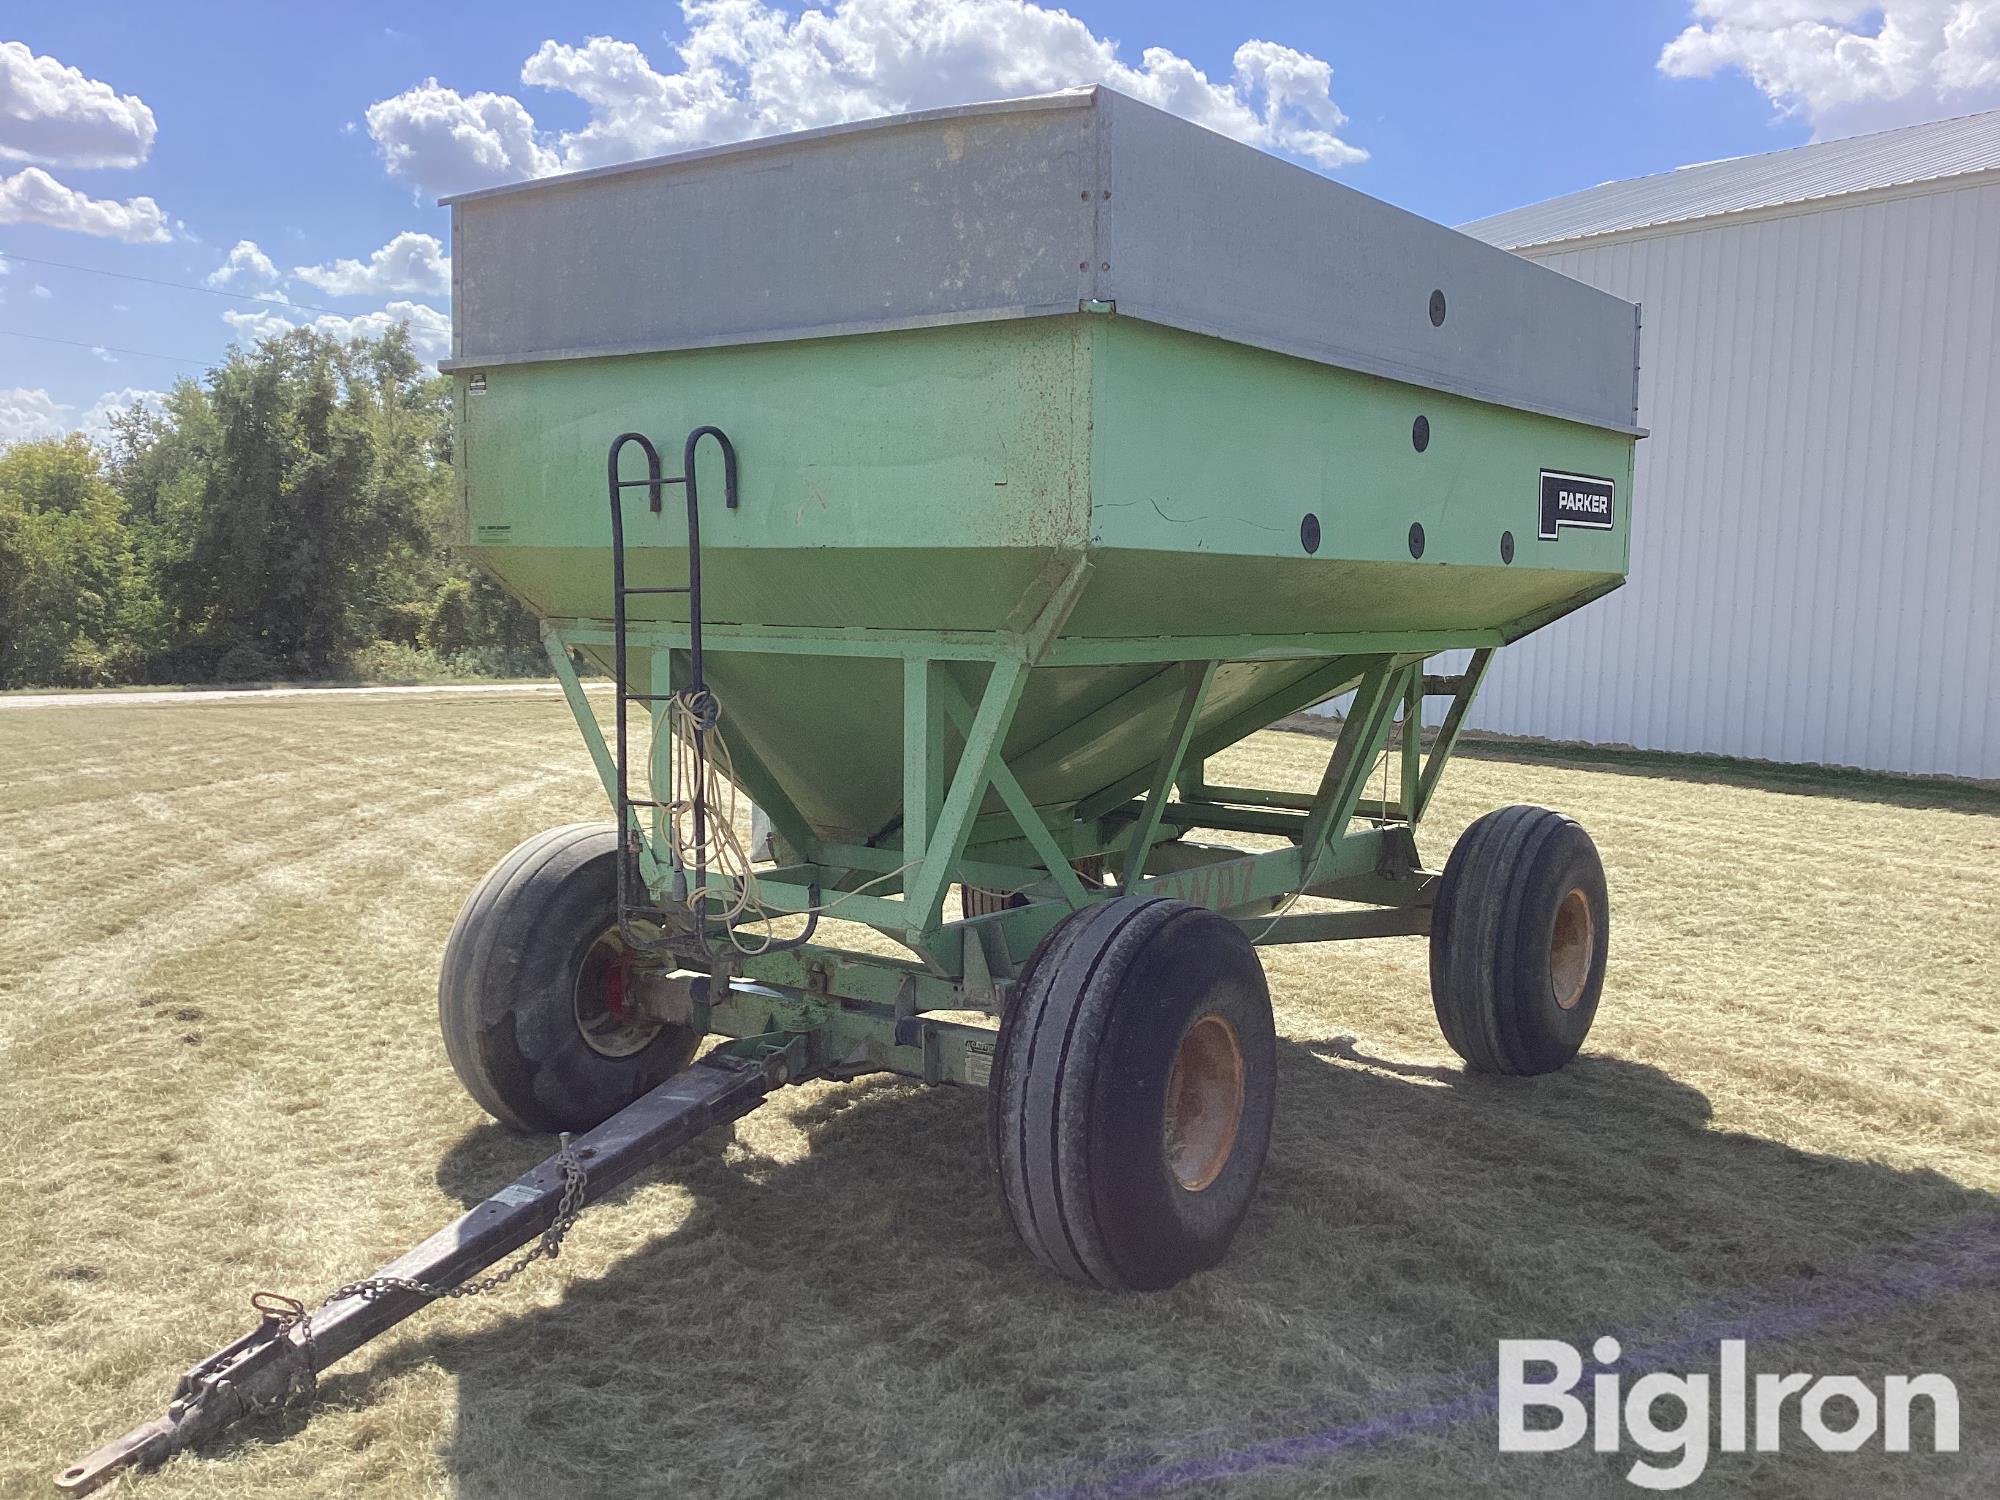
(865, 1012)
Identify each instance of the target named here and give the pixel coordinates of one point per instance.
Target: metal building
(1816, 516)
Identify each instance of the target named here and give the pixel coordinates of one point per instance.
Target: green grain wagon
(957, 485)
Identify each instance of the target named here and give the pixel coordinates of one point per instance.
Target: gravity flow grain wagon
(957, 486)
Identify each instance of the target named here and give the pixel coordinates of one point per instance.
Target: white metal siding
(1927, 153)
(1816, 521)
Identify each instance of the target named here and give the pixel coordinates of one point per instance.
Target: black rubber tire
(1494, 954)
(1078, 1108)
(507, 989)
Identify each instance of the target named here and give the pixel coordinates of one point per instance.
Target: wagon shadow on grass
(1927, 793)
(862, 1319)
(1889, 788)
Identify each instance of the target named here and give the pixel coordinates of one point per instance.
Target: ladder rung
(649, 697)
(642, 802)
(676, 589)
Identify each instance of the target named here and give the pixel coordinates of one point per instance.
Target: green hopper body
(947, 480)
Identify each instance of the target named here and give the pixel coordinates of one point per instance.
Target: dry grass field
(220, 1071)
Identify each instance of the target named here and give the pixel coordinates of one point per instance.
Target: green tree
(474, 617)
(317, 506)
(280, 517)
(75, 606)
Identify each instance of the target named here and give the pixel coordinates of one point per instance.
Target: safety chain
(288, 1313)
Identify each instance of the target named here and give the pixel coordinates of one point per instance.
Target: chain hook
(282, 1314)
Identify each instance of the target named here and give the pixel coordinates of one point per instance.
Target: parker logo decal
(1574, 500)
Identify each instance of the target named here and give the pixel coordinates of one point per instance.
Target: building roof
(1804, 174)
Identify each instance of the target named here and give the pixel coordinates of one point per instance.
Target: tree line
(289, 515)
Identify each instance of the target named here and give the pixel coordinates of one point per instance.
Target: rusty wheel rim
(1572, 944)
(606, 1000)
(1204, 1103)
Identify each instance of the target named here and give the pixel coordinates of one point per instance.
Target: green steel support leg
(581, 711)
(1193, 780)
(1447, 735)
(1052, 854)
(650, 868)
(923, 758)
(1413, 739)
(1362, 737)
(1139, 843)
(925, 894)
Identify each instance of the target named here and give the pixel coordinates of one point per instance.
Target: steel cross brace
(1005, 783)
(1197, 677)
(1362, 736)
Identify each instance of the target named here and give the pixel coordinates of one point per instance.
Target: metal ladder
(695, 694)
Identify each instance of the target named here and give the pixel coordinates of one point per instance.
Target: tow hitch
(280, 1359)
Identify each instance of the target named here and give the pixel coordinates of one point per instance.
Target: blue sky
(313, 132)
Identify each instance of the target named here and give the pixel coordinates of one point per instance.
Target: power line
(184, 286)
(179, 359)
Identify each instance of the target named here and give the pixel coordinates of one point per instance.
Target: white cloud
(245, 268)
(445, 142)
(31, 196)
(409, 263)
(26, 414)
(96, 421)
(29, 414)
(53, 114)
(43, 292)
(255, 327)
(1848, 65)
(430, 330)
(750, 69)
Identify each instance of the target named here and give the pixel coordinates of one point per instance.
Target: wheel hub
(1204, 1102)
(609, 1014)
(1571, 946)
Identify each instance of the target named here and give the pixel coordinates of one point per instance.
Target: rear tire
(1518, 941)
(1133, 1090)
(533, 995)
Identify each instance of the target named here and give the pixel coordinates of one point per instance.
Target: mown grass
(219, 928)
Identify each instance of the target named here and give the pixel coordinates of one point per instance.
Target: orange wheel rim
(1204, 1103)
(1572, 945)
(606, 1000)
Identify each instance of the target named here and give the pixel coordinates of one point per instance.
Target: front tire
(1518, 941)
(1133, 1090)
(537, 997)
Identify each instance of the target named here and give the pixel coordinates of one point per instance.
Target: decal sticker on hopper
(1574, 500)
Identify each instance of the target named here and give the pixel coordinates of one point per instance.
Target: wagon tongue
(281, 1357)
